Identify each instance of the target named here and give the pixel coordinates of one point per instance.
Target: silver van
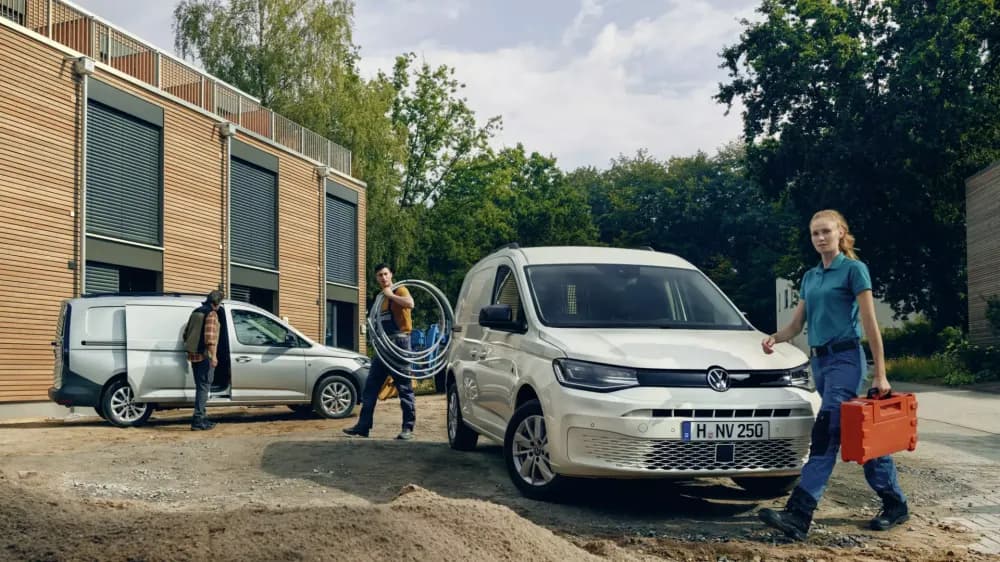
(124, 356)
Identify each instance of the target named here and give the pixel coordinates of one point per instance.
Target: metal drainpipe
(229, 216)
(82, 266)
(322, 258)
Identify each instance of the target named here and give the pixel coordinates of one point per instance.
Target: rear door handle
(243, 359)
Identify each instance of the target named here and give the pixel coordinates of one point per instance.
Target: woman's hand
(881, 384)
(768, 345)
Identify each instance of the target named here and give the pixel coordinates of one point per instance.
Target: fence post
(48, 19)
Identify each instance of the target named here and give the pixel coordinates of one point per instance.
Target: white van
(604, 362)
(124, 356)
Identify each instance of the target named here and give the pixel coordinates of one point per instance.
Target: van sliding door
(157, 363)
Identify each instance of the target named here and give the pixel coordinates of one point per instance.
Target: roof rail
(646, 248)
(140, 294)
(511, 245)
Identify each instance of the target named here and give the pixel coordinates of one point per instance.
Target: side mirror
(498, 316)
(291, 340)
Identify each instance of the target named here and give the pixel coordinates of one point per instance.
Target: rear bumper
(76, 391)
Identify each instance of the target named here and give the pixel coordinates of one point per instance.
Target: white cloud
(647, 85)
(589, 9)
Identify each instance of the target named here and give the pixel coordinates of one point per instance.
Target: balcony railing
(83, 32)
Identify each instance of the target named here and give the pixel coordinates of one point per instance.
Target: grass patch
(936, 369)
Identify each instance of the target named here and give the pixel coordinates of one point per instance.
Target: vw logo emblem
(718, 379)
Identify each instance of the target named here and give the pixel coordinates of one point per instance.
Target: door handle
(243, 359)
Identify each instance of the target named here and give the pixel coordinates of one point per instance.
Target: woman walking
(834, 294)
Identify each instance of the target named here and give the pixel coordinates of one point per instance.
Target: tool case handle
(886, 405)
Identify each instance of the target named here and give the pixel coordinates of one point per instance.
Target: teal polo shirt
(831, 300)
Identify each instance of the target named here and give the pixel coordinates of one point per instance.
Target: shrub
(916, 338)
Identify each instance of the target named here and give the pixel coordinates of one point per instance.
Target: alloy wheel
(336, 398)
(124, 407)
(530, 451)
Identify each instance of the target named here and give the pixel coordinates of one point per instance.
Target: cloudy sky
(582, 80)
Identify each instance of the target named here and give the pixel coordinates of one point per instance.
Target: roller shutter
(341, 241)
(124, 180)
(255, 215)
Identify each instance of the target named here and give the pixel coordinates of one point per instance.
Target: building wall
(39, 224)
(38, 103)
(982, 212)
(299, 244)
(787, 298)
(193, 202)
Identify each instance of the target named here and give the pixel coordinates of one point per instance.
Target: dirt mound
(417, 525)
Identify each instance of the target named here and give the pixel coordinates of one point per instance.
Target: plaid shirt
(211, 337)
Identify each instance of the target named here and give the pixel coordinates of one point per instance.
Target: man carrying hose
(396, 323)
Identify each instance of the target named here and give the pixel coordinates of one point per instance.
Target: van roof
(119, 299)
(593, 254)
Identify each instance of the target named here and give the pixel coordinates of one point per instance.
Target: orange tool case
(875, 427)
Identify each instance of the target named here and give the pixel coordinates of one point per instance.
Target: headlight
(363, 361)
(593, 376)
(801, 377)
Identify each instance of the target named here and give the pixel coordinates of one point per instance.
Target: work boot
(355, 431)
(894, 511)
(405, 435)
(795, 519)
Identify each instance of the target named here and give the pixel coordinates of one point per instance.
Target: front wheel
(460, 436)
(334, 397)
(769, 486)
(526, 452)
(120, 408)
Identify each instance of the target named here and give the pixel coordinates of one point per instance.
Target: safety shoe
(894, 511)
(355, 431)
(795, 519)
(405, 435)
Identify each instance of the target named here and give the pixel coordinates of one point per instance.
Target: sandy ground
(270, 485)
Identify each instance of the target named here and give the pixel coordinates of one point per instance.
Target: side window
(505, 292)
(253, 328)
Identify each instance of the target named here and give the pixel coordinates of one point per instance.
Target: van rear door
(157, 362)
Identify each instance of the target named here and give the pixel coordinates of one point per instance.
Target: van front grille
(674, 455)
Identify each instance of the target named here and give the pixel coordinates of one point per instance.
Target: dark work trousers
(204, 372)
(839, 377)
(376, 377)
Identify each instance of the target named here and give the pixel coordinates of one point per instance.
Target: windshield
(629, 296)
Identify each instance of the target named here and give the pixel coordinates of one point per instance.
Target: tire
(334, 397)
(301, 409)
(120, 408)
(460, 436)
(99, 408)
(525, 451)
(768, 486)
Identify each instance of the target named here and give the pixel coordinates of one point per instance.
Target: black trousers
(204, 373)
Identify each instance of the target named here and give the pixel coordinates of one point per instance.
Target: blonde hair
(847, 240)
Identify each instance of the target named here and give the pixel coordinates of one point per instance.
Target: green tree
(441, 129)
(496, 198)
(880, 109)
(276, 50)
(701, 208)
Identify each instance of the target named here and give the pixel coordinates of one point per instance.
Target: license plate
(724, 431)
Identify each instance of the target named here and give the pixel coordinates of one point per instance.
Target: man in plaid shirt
(201, 339)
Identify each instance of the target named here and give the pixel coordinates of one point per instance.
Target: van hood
(674, 349)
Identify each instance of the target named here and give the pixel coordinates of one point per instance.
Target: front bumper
(636, 433)
(361, 376)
